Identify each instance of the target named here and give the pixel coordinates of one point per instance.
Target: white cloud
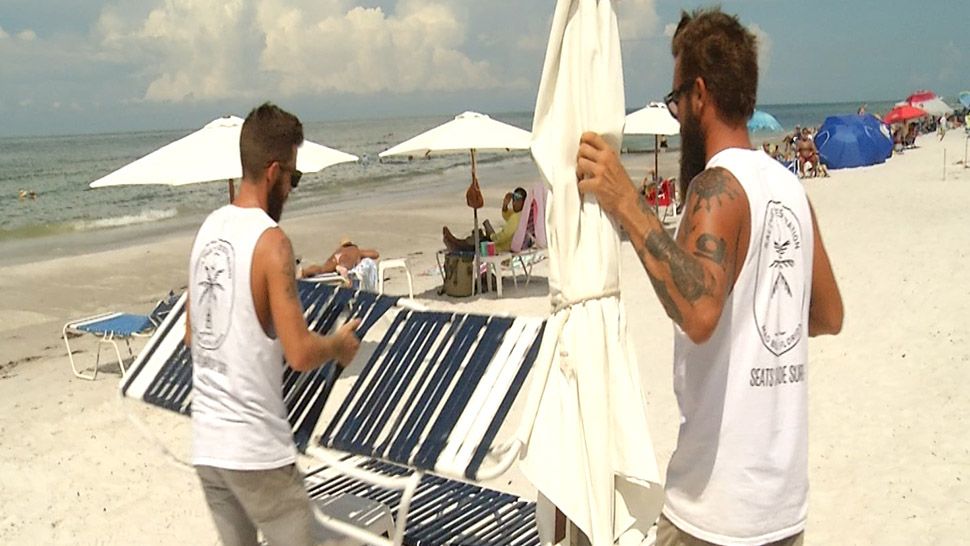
(27, 35)
(297, 47)
(764, 48)
(670, 29)
(3, 34)
(637, 18)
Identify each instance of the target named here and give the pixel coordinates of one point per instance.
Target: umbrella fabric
(655, 119)
(588, 447)
(903, 113)
(933, 106)
(468, 131)
(763, 121)
(851, 141)
(211, 153)
(920, 96)
(965, 98)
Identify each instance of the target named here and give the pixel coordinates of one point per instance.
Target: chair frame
(108, 338)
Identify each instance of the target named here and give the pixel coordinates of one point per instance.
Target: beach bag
(458, 273)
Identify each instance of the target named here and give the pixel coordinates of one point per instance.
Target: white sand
(890, 441)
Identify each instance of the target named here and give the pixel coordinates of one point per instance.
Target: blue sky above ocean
(94, 66)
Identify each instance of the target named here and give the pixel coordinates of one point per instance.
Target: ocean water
(58, 169)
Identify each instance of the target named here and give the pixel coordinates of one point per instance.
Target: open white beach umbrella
(588, 448)
(654, 120)
(933, 106)
(469, 132)
(211, 153)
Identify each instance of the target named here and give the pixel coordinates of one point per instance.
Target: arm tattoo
(289, 271)
(663, 295)
(711, 185)
(687, 274)
(711, 247)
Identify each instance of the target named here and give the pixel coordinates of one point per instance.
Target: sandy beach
(889, 432)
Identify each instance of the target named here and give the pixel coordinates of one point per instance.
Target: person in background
(745, 280)
(346, 258)
(512, 206)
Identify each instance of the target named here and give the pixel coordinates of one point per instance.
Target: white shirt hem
(725, 540)
(243, 465)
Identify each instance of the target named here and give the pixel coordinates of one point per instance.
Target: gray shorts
(273, 501)
(669, 534)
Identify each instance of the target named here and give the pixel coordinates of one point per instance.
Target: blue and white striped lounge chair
(438, 385)
(431, 399)
(110, 327)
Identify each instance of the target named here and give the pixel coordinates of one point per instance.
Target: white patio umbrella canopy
(655, 119)
(211, 153)
(468, 131)
(588, 447)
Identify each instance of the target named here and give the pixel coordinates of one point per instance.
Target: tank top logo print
(214, 286)
(780, 286)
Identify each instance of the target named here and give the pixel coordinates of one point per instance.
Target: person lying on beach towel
(511, 209)
(344, 259)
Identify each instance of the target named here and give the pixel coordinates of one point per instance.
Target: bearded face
(278, 195)
(693, 154)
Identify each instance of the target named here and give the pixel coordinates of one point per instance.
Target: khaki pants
(274, 501)
(669, 535)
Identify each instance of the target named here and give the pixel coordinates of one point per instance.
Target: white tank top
(238, 417)
(739, 474)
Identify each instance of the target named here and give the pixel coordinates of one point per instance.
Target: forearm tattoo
(687, 274)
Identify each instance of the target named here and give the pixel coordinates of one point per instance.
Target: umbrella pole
(656, 154)
(232, 191)
(476, 276)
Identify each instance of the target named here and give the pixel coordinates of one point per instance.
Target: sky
(90, 66)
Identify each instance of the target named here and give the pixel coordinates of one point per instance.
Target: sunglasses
(295, 175)
(673, 97)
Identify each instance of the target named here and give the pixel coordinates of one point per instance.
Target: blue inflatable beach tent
(853, 141)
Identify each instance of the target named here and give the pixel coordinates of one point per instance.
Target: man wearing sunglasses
(243, 317)
(746, 280)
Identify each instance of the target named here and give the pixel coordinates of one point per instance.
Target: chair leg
(70, 356)
(410, 283)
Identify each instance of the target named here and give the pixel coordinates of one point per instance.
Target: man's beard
(693, 153)
(277, 197)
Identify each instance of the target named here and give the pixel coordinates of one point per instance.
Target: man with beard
(746, 280)
(244, 317)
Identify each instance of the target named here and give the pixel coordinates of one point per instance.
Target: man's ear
(272, 172)
(700, 95)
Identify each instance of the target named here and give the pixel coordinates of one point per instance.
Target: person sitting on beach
(649, 182)
(511, 211)
(347, 259)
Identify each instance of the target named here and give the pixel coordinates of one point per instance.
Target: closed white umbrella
(588, 447)
(654, 120)
(211, 153)
(469, 132)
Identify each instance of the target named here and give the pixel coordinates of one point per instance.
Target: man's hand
(600, 172)
(345, 343)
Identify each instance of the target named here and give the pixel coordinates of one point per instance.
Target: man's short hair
(716, 47)
(518, 194)
(268, 134)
